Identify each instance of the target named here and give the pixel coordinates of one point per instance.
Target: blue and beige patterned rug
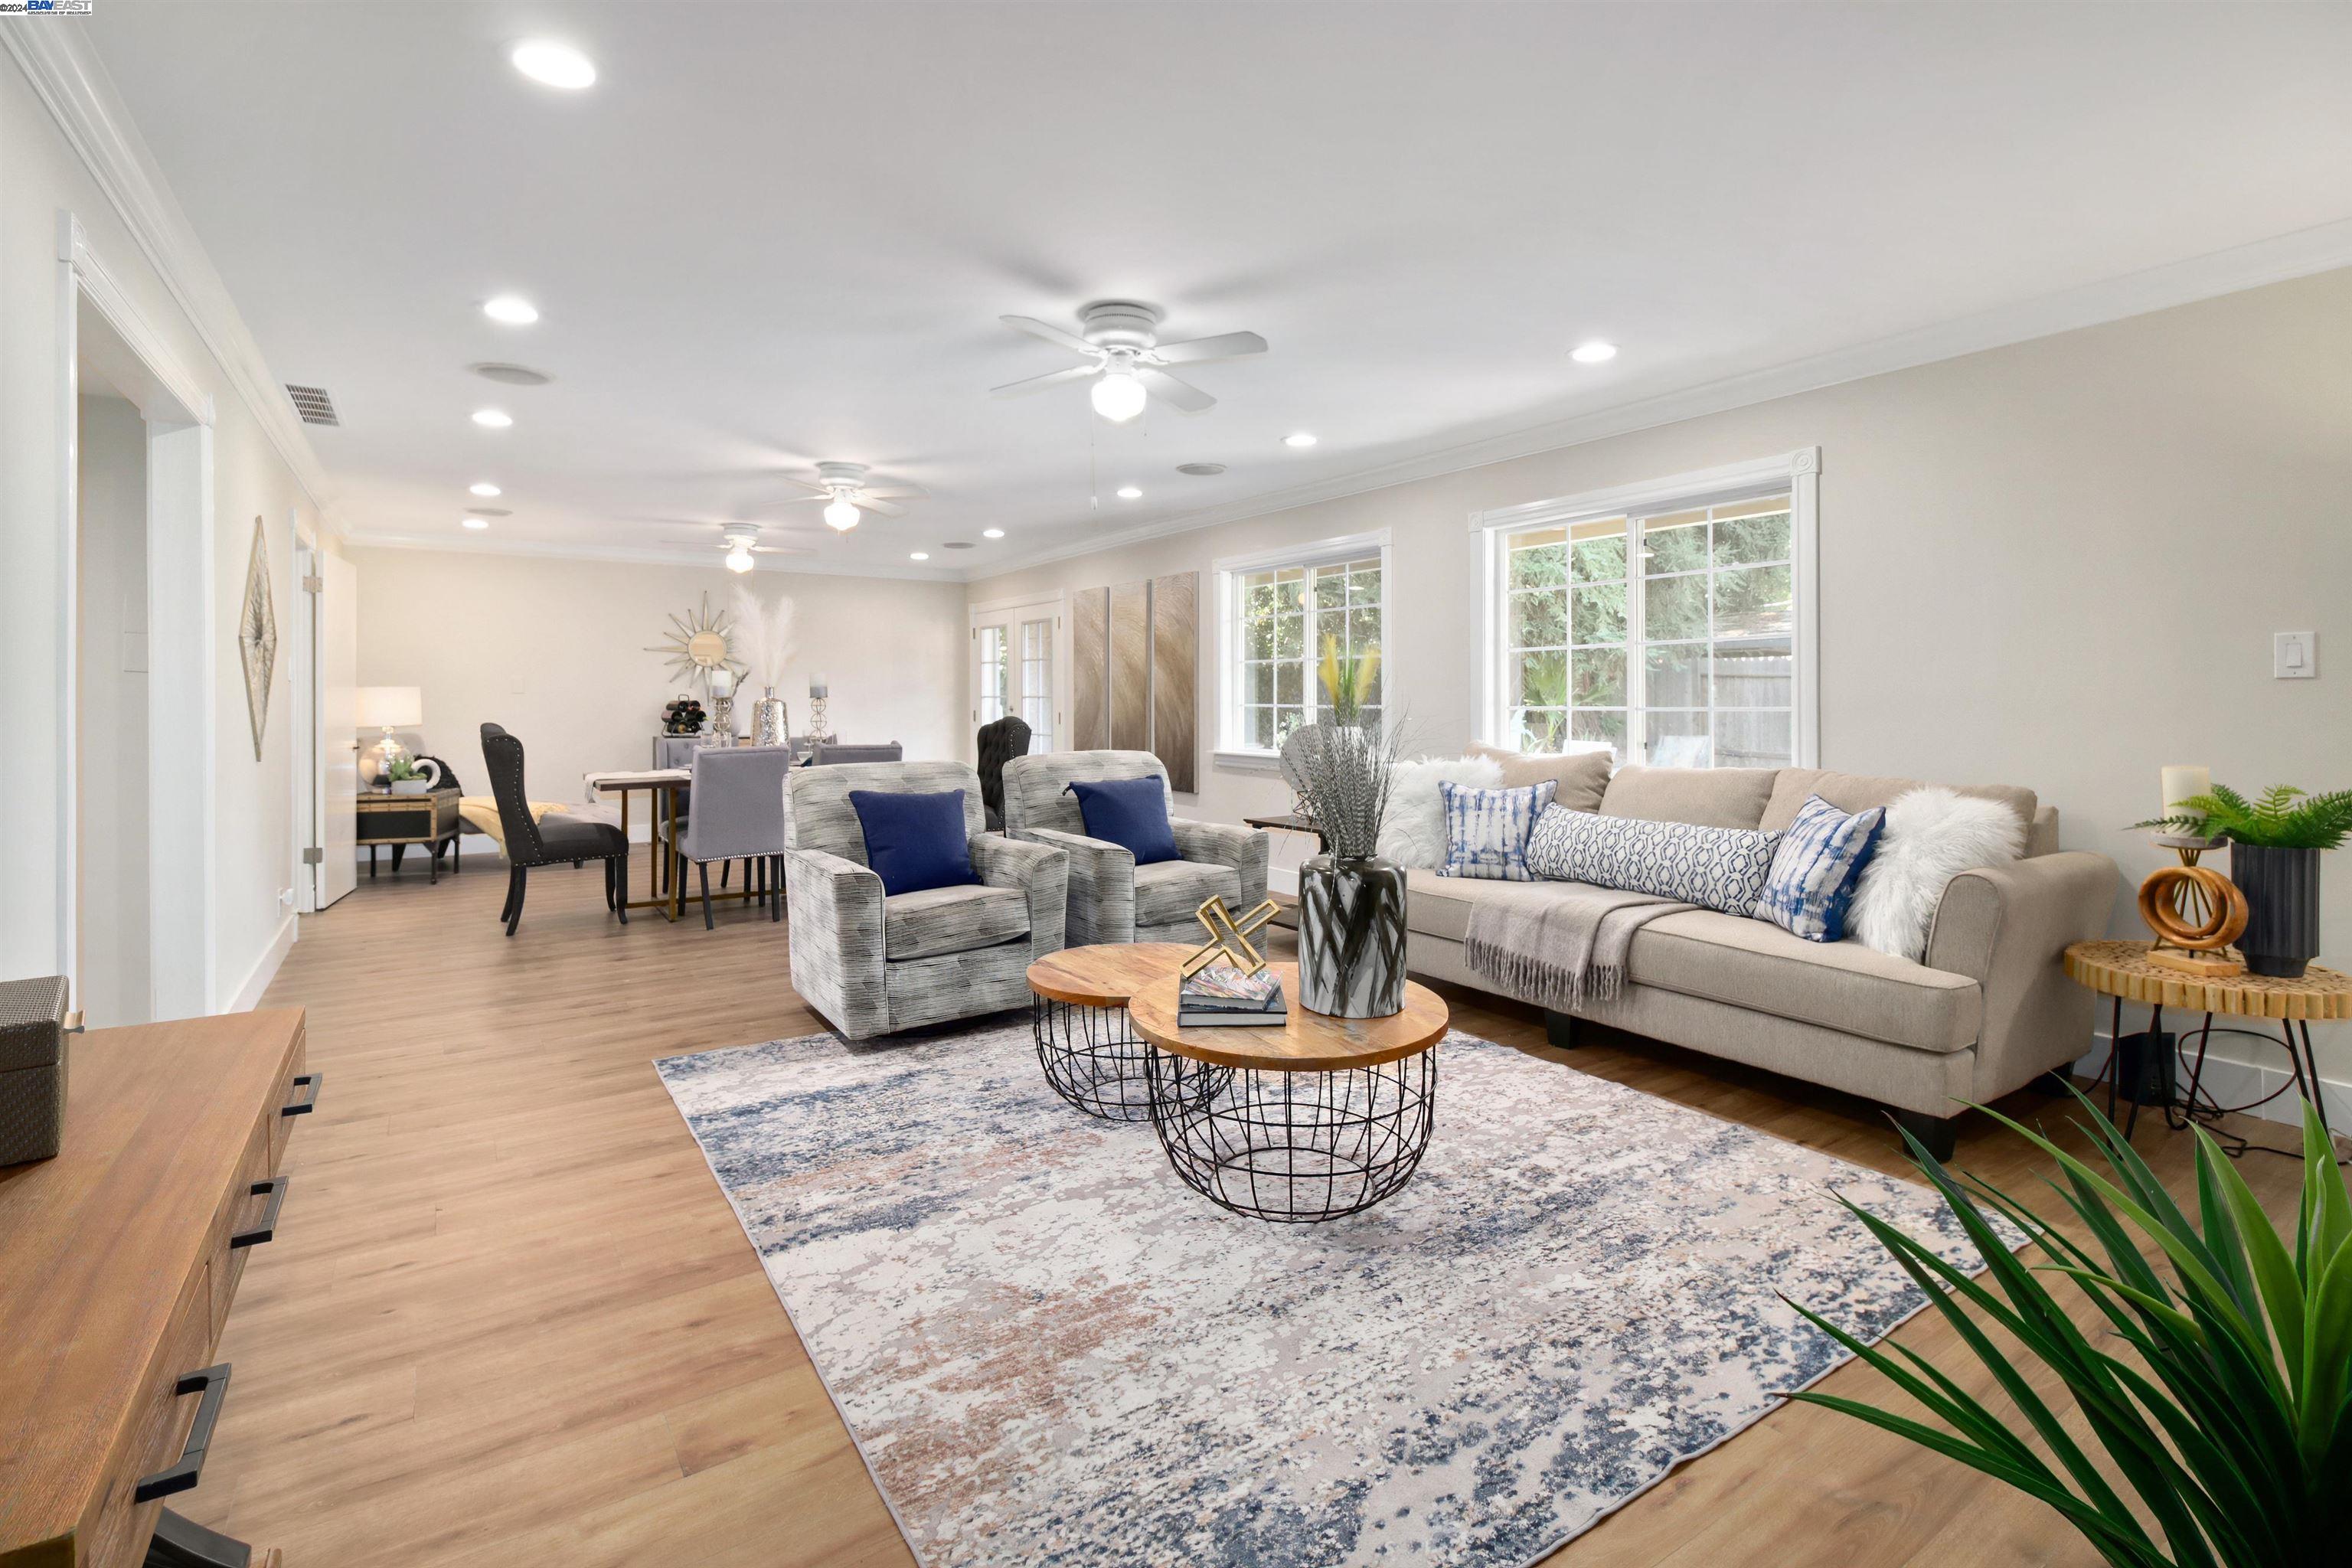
(1052, 1352)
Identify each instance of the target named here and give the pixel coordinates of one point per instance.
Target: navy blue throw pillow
(1131, 814)
(915, 841)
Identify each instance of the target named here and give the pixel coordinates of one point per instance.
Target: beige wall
(556, 651)
(2057, 565)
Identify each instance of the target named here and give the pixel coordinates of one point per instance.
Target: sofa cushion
(1130, 813)
(915, 841)
(1859, 791)
(1711, 797)
(1717, 867)
(951, 920)
(1817, 868)
(1171, 890)
(1486, 829)
(1746, 962)
(1581, 776)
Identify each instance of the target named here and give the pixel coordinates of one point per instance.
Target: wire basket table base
(1292, 1147)
(1095, 1060)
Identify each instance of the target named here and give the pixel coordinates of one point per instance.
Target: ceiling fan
(1126, 360)
(843, 489)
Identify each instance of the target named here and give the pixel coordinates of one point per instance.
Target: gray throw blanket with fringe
(1558, 944)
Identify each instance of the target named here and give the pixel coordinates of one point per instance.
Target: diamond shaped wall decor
(256, 635)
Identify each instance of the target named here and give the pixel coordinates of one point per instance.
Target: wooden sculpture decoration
(1229, 938)
(2196, 914)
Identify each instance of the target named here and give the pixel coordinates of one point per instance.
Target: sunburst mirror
(699, 642)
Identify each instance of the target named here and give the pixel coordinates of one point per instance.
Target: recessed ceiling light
(477, 522)
(512, 308)
(493, 418)
(918, 555)
(485, 490)
(512, 374)
(1130, 492)
(1298, 438)
(1201, 470)
(992, 533)
(1594, 353)
(554, 65)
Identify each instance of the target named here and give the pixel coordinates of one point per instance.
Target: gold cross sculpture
(1229, 938)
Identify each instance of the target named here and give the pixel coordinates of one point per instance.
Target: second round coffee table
(1091, 1056)
(1318, 1118)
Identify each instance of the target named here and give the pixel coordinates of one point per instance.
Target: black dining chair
(1000, 741)
(549, 843)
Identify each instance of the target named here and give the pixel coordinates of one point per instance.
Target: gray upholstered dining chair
(1112, 899)
(738, 814)
(873, 965)
(833, 753)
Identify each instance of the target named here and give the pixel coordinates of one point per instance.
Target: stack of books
(1222, 995)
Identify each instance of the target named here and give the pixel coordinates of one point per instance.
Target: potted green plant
(2274, 846)
(2212, 1425)
(404, 777)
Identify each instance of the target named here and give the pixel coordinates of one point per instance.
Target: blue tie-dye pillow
(1486, 829)
(1815, 870)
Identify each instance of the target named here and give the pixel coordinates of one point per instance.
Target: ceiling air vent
(1201, 470)
(312, 404)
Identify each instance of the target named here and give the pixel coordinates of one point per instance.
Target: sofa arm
(1245, 849)
(1102, 886)
(2006, 927)
(836, 940)
(1042, 873)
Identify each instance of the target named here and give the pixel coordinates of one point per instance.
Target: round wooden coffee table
(1091, 1056)
(1319, 1118)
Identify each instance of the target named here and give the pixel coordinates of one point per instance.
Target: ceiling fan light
(1117, 396)
(739, 559)
(841, 514)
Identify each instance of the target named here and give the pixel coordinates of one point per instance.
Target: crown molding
(71, 83)
(794, 566)
(2299, 255)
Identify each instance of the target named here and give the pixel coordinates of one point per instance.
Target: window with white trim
(1669, 636)
(1278, 616)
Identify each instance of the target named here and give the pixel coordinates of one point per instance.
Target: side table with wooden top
(2124, 971)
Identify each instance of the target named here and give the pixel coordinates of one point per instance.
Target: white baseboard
(264, 969)
(2237, 1083)
(1282, 879)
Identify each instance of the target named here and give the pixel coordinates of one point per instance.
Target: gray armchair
(1111, 897)
(874, 966)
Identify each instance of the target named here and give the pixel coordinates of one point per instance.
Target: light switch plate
(2295, 655)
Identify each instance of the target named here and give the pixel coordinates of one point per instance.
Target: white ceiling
(774, 234)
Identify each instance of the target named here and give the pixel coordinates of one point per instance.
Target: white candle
(816, 686)
(2180, 782)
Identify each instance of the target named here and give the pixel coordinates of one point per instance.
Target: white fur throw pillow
(1931, 835)
(1413, 831)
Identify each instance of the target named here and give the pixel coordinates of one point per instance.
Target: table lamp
(390, 708)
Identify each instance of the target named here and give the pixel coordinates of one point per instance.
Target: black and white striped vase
(1352, 936)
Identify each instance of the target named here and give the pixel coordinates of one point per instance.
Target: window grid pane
(1680, 649)
(1283, 615)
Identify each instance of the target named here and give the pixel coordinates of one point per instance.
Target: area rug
(1051, 1352)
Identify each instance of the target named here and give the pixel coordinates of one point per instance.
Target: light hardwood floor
(510, 1319)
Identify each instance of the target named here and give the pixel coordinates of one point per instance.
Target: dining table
(661, 787)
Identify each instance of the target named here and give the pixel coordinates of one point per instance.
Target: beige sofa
(1988, 1011)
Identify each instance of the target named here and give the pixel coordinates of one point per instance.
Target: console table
(122, 1257)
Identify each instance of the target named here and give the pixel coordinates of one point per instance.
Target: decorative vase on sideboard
(768, 718)
(1352, 936)
(2282, 888)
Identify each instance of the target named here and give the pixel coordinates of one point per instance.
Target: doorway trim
(182, 846)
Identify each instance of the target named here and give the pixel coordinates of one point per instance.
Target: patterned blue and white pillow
(1717, 867)
(1817, 869)
(1486, 829)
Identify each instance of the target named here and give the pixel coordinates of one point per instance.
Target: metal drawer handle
(276, 1187)
(213, 1383)
(303, 1107)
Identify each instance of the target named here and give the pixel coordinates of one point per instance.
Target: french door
(1020, 657)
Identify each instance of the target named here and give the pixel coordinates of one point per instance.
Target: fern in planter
(2228, 1425)
(2284, 818)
